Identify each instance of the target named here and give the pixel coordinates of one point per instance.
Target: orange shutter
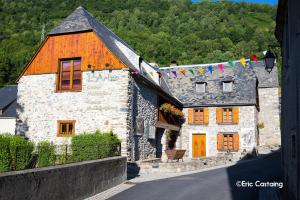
(236, 142)
(219, 115)
(220, 141)
(235, 115)
(190, 116)
(206, 115)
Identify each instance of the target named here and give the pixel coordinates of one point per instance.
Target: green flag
(231, 64)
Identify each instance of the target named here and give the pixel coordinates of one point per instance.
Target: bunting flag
(254, 58)
(174, 73)
(201, 71)
(151, 74)
(192, 72)
(231, 64)
(220, 66)
(210, 69)
(183, 72)
(243, 61)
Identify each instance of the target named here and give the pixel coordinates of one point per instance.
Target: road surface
(213, 185)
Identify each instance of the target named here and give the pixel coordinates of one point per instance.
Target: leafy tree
(159, 30)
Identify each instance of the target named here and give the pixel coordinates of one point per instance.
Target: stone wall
(269, 116)
(102, 104)
(144, 108)
(64, 182)
(7, 125)
(246, 129)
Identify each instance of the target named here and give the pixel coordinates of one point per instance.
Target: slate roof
(265, 79)
(81, 20)
(8, 101)
(244, 86)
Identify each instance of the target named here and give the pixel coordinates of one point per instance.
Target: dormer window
(200, 87)
(227, 86)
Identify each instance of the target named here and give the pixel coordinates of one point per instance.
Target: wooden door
(199, 145)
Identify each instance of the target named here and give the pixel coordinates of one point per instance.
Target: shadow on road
(247, 179)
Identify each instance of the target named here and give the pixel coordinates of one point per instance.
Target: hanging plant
(168, 108)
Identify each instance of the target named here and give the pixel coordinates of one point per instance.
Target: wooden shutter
(236, 142)
(190, 116)
(235, 113)
(206, 115)
(220, 145)
(219, 115)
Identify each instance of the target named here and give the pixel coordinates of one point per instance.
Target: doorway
(199, 145)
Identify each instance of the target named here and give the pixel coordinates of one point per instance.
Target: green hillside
(159, 30)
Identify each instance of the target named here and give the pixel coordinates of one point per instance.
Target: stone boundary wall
(64, 182)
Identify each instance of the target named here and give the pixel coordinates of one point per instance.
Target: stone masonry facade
(143, 108)
(246, 128)
(269, 117)
(102, 104)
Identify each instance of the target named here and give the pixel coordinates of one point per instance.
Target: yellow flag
(151, 74)
(243, 61)
(200, 69)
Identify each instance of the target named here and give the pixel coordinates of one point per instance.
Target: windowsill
(63, 91)
(229, 151)
(228, 123)
(60, 135)
(202, 124)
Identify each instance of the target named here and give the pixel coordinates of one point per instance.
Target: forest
(159, 30)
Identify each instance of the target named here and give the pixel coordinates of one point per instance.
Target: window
(227, 115)
(228, 142)
(199, 116)
(200, 87)
(66, 128)
(227, 86)
(69, 75)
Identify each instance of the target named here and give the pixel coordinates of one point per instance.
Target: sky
(255, 1)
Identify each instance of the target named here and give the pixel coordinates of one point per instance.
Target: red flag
(254, 57)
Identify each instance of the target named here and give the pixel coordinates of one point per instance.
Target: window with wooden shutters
(65, 128)
(227, 115)
(70, 78)
(228, 142)
(198, 116)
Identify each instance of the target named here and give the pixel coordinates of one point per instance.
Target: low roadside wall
(64, 182)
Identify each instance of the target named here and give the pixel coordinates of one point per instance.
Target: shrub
(5, 159)
(90, 146)
(46, 154)
(15, 152)
(20, 152)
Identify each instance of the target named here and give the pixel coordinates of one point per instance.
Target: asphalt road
(218, 184)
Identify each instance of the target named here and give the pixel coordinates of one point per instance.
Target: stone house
(223, 109)
(83, 78)
(8, 103)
